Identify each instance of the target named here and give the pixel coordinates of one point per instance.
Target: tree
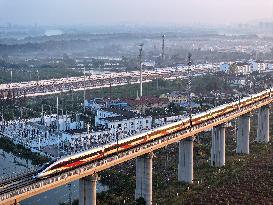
(233, 68)
(140, 201)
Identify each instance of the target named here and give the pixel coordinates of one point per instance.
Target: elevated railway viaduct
(19, 189)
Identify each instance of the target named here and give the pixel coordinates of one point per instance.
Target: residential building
(95, 104)
(64, 122)
(175, 97)
(122, 120)
(168, 119)
(243, 68)
(224, 67)
(143, 103)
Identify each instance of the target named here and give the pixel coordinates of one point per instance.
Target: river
(10, 164)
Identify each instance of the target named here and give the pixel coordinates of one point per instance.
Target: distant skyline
(139, 12)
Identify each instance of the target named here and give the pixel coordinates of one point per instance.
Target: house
(262, 66)
(224, 67)
(270, 66)
(62, 122)
(191, 104)
(243, 68)
(147, 102)
(95, 104)
(175, 97)
(167, 119)
(122, 120)
(119, 105)
(259, 66)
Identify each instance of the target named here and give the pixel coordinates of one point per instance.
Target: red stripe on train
(74, 164)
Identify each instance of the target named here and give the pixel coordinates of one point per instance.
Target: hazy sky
(142, 12)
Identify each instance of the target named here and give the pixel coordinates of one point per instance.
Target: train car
(85, 157)
(42, 168)
(88, 156)
(70, 162)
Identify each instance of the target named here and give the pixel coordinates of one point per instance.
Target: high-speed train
(92, 155)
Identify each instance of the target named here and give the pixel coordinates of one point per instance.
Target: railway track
(15, 186)
(15, 180)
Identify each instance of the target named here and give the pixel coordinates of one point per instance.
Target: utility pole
(110, 87)
(2, 116)
(189, 87)
(38, 77)
(21, 112)
(57, 123)
(11, 75)
(57, 117)
(42, 115)
(140, 66)
(84, 92)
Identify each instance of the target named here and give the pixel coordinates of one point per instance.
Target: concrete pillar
(185, 161)
(218, 146)
(82, 191)
(87, 190)
(243, 134)
(263, 125)
(144, 178)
